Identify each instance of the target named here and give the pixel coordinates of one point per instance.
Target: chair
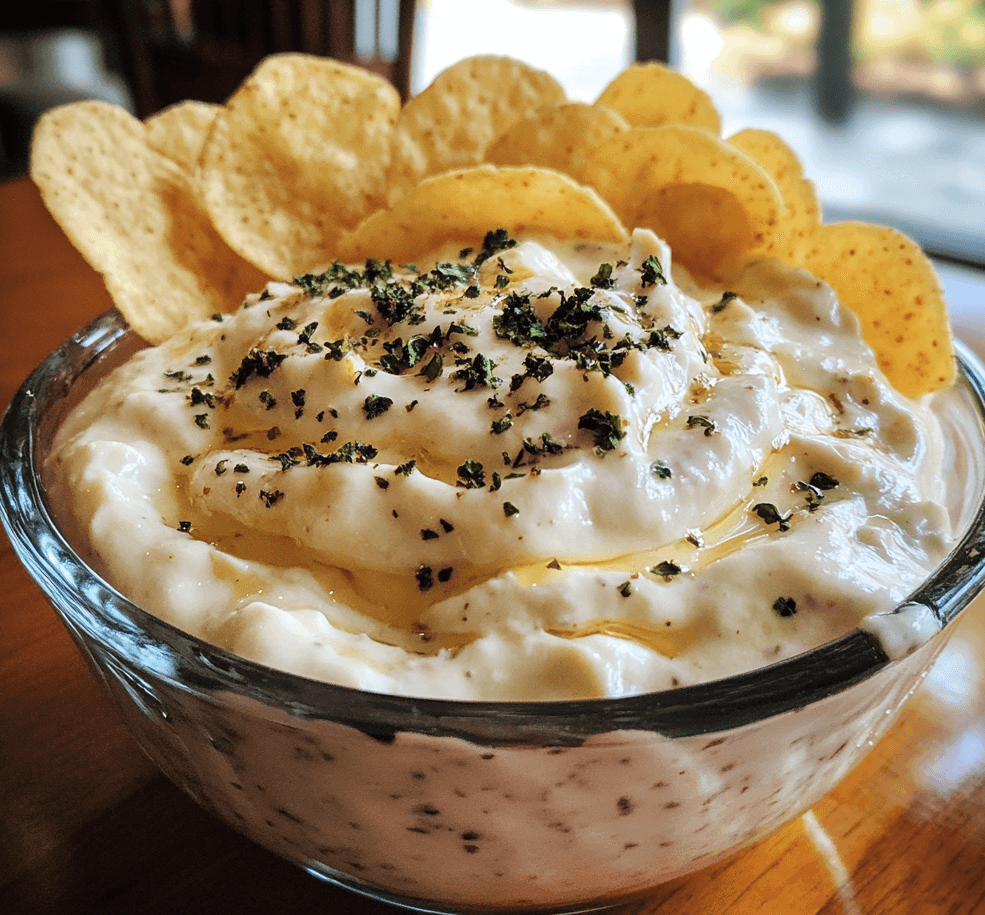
(653, 28)
(170, 50)
(50, 54)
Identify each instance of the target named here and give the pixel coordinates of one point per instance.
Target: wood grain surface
(87, 825)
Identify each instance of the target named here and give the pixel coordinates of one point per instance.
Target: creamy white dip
(546, 471)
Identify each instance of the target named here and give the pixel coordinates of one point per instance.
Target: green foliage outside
(955, 40)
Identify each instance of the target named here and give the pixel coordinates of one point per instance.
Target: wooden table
(87, 825)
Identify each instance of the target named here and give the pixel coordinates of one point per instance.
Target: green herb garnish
(660, 470)
(476, 373)
(433, 369)
(814, 495)
(257, 362)
(548, 445)
(823, 481)
(445, 275)
(270, 499)
(666, 569)
(518, 322)
(606, 429)
(785, 606)
(722, 304)
(769, 513)
(336, 350)
(603, 278)
(660, 338)
(376, 405)
(495, 241)
(425, 578)
(198, 397)
(287, 460)
(471, 475)
(460, 327)
(542, 401)
(652, 273)
(538, 367)
(695, 422)
(395, 303)
(349, 453)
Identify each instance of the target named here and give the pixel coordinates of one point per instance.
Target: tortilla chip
(712, 203)
(462, 206)
(134, 216)
(179, 131)
(802, 213)
(651, 95)
(293, 173)
(559, 137)
(298, 156)
(891, 285)
(450, 124)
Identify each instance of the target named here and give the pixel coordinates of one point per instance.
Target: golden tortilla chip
(179, 131)
(891, 285)
(298, 156)
(802, 213)
(293, 173)
(134, 216)
(651, 95)
(559, 137)
(461, 206)
(712, 203)
(450, 124)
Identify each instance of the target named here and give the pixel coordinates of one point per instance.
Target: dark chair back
(170, 50)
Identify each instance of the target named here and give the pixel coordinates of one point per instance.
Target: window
(884, 100)
(582, 43)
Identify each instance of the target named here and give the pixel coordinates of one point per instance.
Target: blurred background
(884, 100)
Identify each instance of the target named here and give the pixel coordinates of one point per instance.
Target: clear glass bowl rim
(98, 616)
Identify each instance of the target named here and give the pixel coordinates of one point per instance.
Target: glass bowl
(445, 806)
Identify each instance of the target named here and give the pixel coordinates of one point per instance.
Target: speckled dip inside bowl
(447, 806)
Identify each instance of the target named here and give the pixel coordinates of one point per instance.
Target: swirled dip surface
(525, 472)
